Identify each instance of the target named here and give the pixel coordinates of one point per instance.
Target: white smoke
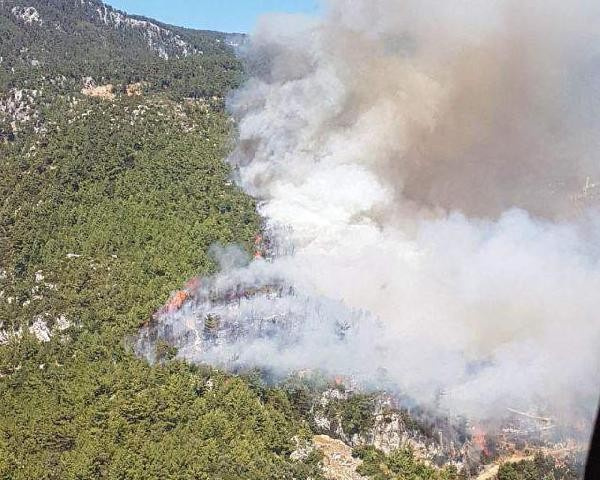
(430, 159)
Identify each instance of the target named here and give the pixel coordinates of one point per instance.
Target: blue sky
(223, 15)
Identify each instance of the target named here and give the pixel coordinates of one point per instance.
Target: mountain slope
(112, 191)
(42, 40)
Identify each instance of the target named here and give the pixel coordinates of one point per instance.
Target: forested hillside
(53, 44)
(113, 189)
(109, 202)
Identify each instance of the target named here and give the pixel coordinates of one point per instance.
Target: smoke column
(434, 164)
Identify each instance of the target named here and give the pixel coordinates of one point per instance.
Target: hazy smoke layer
(436, 164)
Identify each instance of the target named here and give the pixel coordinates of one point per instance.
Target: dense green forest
(540, 467)
(399, 464)
(106, 206)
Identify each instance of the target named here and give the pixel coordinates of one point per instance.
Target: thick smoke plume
(434, 165)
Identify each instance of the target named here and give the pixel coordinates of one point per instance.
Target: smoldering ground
(435, 164)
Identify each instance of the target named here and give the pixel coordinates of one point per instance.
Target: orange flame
(177, 301)
(258, 246)
(479, 440)
(180, 297)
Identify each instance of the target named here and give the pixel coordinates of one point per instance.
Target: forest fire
(480, 440)
(228, 322)
(258, 247)
(179, 298)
